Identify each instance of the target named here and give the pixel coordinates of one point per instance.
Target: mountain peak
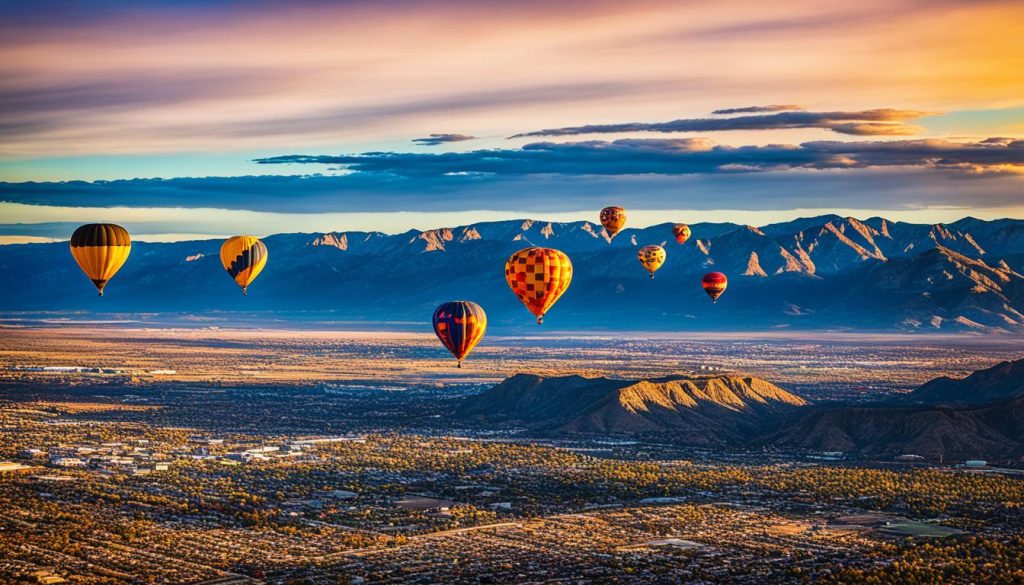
(331, 240)
(435, 239)
(754, 266)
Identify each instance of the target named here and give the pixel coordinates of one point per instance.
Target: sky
(187, 119)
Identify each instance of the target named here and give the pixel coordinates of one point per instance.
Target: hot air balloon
(460, 325)
(714, 284)
(613, 219)
(652, 257)
(682, 232)
(100, 250)
(538, 276)
(244, 258)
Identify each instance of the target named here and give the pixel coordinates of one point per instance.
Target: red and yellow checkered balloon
(539, 277)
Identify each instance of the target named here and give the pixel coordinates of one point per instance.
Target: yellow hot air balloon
(538, 276)
(100, 250)
(244, 258)
(613, 219)
(652, 257)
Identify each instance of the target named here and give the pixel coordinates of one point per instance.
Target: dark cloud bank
(680, 157)
(549, 177)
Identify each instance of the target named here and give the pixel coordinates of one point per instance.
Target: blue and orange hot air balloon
(244, 258)
(714, 284)
(100, 249)
(538, 277)
(460, 325)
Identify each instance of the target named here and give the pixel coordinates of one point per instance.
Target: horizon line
(179, 237)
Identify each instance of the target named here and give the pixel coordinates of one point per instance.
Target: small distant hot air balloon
(652, 257)
(714, 284)
(100, 249)
(460, 325)
(682, 232)
(613, 219)
(244, 258)
(538, 276)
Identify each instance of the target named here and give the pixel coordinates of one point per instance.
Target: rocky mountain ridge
(826, 272)
(706, 410)
(980, 416)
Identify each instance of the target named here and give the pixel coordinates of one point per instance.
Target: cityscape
(163, 464)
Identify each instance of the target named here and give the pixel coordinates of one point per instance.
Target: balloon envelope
(100, 249)
(460, 325)
(244, 258)
(538, 277)
(613, 219)
(714, 284)
(651, 257)
(682, 232)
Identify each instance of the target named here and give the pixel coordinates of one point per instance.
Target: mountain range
(826, 272)
(946, 419)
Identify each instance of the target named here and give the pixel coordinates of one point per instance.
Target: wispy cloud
(884, 121)
(757, 109)
(437, 139)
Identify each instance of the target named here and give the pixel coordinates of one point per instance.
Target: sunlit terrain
(822, 366)
(189, 455)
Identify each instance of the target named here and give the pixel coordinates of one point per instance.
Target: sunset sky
(204, 119)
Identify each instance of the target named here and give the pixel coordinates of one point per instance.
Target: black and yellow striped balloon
(100, 249)
(244, 258)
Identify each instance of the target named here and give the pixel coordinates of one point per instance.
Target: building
(341, 495)
(909, 457)
(61, 461)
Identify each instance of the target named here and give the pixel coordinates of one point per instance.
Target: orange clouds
(249, 77)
